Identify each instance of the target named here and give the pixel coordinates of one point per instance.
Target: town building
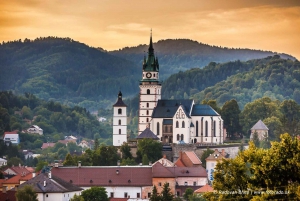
(260, 129)
(3, 162)
(212, 160)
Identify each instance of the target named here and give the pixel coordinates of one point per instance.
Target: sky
(112, 24)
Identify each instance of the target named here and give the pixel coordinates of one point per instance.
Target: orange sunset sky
(112, 24)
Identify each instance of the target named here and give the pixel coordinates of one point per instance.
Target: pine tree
(166, 194)
(154, 196)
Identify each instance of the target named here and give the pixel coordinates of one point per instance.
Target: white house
(11, 137)
(35, 130)
(50, 188)
(3, 162)
(212, 160)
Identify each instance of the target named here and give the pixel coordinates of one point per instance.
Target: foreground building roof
(87, 176)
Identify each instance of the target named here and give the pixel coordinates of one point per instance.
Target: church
(178, 121)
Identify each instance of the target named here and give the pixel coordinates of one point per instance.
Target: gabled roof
(168, 108)
(147, 133)
(216, 155)
(204, 189)
(18, 170)
(259, 126)
(203, 110)
(165, 162)
(160, 171)
(188, 171)
(10, 135)
(11, 132)
(16, 179)
(53, 185)
(86, 176)
(193, 157)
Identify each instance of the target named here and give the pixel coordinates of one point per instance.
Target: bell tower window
(148, 91)
(119, 111)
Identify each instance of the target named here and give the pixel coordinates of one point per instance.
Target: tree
(14, 161)
(230, 113)
(151, 148)
(188, 192)
(145, 160)
(166, 194)
(290, 117)
(77, 198)
(40, 165)
(26, 193)
(69, 160)
(125, 149)
(154, 195)
(95, 194)
(255, 139)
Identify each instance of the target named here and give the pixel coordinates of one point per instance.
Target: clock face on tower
(148, 75)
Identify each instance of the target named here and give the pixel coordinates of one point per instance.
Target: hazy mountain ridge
(183, 54)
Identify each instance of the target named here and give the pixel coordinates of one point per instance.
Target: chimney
(33, 174)
(79, 164)
(50, 175)
(165, 156)
(19, 164)
(150, 163)
(56, 163)
(45, 183)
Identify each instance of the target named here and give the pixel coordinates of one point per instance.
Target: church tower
(119, 122)
(150, 88)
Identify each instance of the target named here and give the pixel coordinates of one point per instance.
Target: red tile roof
(204, 189)
(106, 175)
(188, 171)
(46, 145)
(159, 171)
(193, 157)
(11, 132)
(19, 170)
(16, 179)
(179, 163)
(9, 195)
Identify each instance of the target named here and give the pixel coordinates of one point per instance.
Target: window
(159, 184)
(119, 121)
(177, 137)
(149, 195)
(147, 119)
(177, 124)
(154, 75)
(197, 133)
(214, 128)
(148, 91)
(185, 183)
(125, 195)
(119, 131)
(147, 104)
(147, 112)
(111, 194)
(119, 111)
(195, 183)
(171, 129)
(183, 124)
(138, 195)
(182, 137)
(206, 129)
(157, 128)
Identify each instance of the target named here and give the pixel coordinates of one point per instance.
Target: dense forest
(64, 70)
(183, 54)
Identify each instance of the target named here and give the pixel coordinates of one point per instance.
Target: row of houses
(126, 182)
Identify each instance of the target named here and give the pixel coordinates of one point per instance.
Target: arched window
(177, 137)
(119, 121)
(195, 140)
(148, 91)
(177, 124)
(182, 137)
(119, 131)
(154, 75)
(119, 111)
(157, 128)
(214, 128)
(183, 124)
(147, 104)
(147, 112)
(197, 132)
(147, 120)
(206, 128)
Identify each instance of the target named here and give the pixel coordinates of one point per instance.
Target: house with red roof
(17, 170)
(119, 181)
(188, 159)
(47, 145)
(204, 189)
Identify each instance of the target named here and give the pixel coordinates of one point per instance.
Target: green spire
(151, 64)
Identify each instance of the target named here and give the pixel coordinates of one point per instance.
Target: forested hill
(183, 54)
(65, 70)
(273, 76)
